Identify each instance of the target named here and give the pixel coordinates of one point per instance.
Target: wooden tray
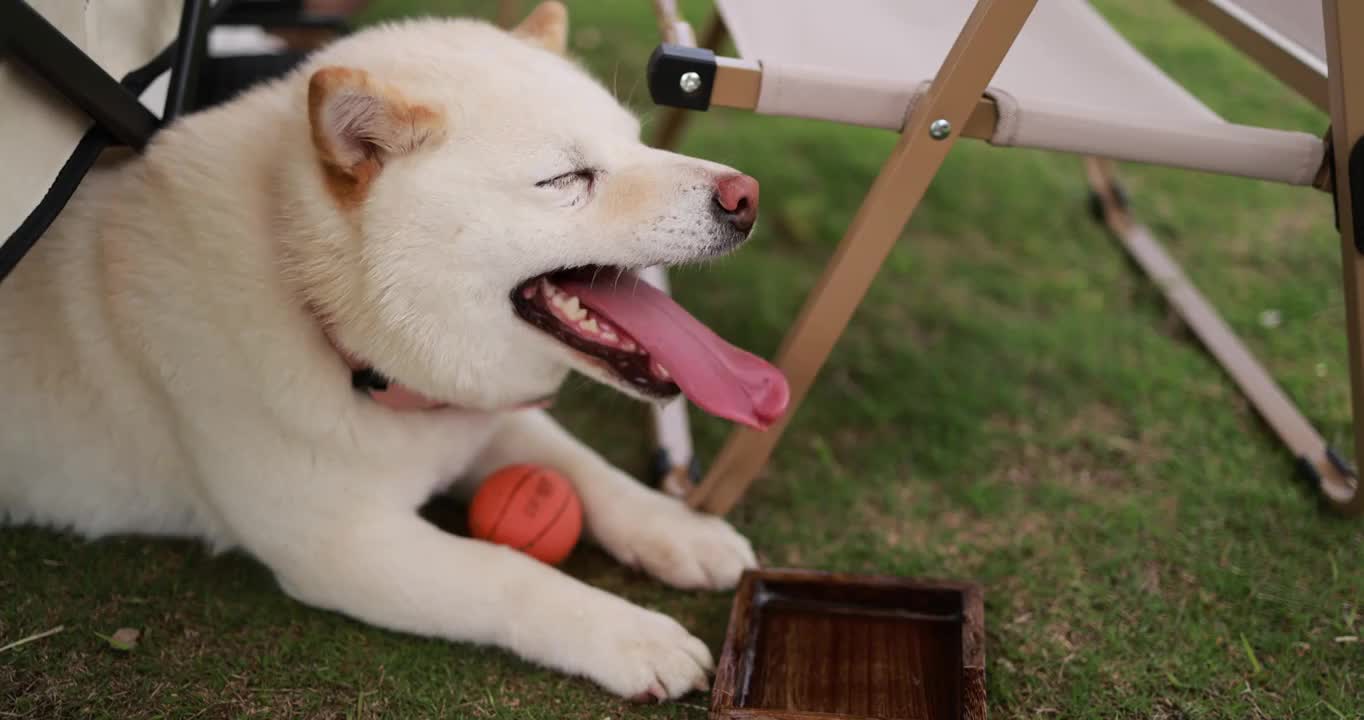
(818, 645)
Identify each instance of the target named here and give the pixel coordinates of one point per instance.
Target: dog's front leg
(638, 526)
(392, 569)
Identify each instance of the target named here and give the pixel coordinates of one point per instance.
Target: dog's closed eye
(573, 188)
(588, 176)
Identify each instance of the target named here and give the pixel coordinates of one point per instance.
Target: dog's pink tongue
(720, 378)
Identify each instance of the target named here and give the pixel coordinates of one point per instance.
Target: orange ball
(528, 507)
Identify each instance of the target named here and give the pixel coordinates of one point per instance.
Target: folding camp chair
(1049, 74)
(77, 78)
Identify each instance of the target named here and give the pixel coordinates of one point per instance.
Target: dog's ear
(357, 124)
(546, 26)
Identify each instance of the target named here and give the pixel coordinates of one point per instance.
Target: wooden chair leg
(508, 13)
(1314, 456)
(933, 126)
(1276, 55)
(1345, 60)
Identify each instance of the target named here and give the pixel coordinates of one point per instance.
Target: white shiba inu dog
(300, 314)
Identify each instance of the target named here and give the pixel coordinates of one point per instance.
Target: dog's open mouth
(645, 339)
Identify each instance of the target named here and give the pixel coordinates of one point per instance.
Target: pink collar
(364, 378)
(392, 395)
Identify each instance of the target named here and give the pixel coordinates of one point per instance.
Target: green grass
(1013, 403)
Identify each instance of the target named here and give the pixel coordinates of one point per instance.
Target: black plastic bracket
(1096, 201)
(662, 465)
(54, 58)
(1357, 192)
(1341, 463)
(1309, 472)
(681, 76)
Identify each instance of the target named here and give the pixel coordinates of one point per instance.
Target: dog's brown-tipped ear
(357, 123)
(546, 26)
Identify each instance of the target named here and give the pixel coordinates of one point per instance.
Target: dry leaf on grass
(123, 639)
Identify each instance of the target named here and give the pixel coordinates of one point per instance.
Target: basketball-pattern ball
(528, 507)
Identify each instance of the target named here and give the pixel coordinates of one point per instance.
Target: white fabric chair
(1049, 74)
(67, 67)
(39, 129)
(1070, 83)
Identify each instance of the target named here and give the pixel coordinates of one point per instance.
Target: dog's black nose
(737, 196)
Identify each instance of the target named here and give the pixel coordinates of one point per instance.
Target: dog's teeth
(590, 326)
(573, 310)
(662, 372)
(609, 336)
(628, 346)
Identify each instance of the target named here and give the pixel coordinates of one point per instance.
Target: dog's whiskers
(633, 88)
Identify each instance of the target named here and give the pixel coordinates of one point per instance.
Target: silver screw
(690, 82)
(940, 129)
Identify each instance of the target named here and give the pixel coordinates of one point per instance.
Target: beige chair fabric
(1299, 22)
(1071, 83)
(38, 128)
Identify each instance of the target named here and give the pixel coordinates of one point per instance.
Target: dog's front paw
(647, 656)
(674, 543)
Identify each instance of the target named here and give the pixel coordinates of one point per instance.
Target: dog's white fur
(165, 370)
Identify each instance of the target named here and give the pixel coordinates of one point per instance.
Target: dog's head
(473, 208)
